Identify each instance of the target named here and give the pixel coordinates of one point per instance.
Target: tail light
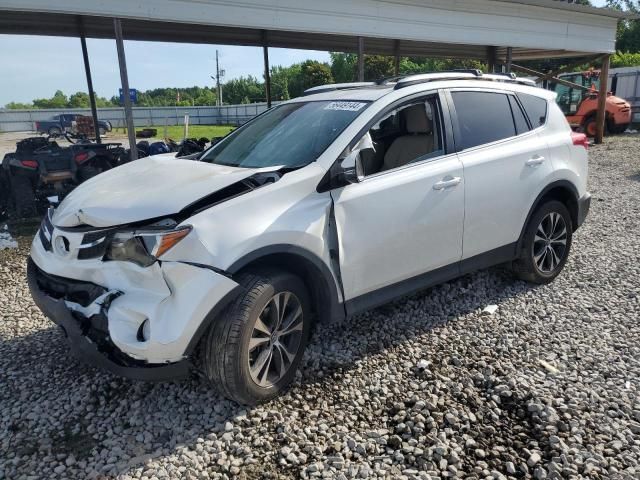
(580, 139)
(37, 126)
(80, 157)
(29, 163)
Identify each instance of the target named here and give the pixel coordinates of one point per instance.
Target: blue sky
(35, 67)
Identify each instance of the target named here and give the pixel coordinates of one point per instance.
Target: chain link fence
(24, 120)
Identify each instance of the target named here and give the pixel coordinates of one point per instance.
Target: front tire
(546, 244)
(251, 353)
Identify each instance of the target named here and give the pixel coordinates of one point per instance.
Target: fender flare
(336, 308)
(558, 183)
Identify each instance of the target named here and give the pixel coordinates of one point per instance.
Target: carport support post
(124, 78)
(602, 99)
(396, 57)
(360, 59)
(509, 59)
(87, 71)
(267, 73)
(491, 59)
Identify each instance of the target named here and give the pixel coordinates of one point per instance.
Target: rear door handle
(447, 182)
(535, 161)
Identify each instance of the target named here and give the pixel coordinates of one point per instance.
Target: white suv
(318, 209)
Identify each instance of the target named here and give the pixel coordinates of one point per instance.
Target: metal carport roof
(498, 31)
(436, 28)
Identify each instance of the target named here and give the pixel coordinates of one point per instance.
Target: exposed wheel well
(563, 192)
(323, 294)
(567, 197)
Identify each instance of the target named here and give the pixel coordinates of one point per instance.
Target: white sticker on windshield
(347, 106)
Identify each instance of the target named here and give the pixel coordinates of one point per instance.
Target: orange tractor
(578, 99)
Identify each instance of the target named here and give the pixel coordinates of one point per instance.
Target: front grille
(46, 230)
(77, 291)
(94, 244)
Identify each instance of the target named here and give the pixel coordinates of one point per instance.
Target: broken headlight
(144, 247)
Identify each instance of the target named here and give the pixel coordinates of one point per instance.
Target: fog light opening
(144, 331)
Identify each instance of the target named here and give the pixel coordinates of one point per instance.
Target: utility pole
(218, 86)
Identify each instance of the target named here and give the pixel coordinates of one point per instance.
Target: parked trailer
(624, 82)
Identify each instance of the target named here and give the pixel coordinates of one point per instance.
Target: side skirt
(412, 285)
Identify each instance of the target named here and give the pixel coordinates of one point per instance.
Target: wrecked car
(320, 208)
(40, 170)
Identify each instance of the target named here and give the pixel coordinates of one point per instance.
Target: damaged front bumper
(138, 322)
(88, 337)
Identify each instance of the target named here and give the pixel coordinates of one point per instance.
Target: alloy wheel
(550, 243)
(275, 339)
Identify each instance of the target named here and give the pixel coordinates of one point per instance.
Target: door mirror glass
(352, 170)
(352, 167)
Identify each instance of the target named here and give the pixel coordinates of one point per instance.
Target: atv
(40, 172)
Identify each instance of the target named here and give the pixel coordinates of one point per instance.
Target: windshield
(291, 135)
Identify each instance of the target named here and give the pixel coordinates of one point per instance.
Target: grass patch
(176, 132)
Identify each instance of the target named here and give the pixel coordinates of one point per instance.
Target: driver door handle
(447, 182)
(535, 161)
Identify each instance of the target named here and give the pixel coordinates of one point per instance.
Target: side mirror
(352, 169)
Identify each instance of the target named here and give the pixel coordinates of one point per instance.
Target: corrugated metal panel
(330, 24)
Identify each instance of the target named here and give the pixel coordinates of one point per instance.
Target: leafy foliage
(628, 36)
(625, 59)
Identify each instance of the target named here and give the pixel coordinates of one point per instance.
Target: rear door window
(518, 117)
(483, 117)
(535, 107)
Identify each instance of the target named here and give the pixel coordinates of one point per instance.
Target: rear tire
(85, 173)
(252, 351)
(23, 197)
(94, 167)
(546, 244)
(4, 195)
(55, 132)
(617, 129)
(590, 126)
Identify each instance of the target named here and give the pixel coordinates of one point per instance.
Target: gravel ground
(427, 387)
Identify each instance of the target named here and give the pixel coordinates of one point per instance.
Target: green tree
(344, 66)
(243, 90)
(79, 100)
(315, 73)
(377, 67)
(280, 78)
(59, 100)
(628, 35)
(18, 106)
(625, 59)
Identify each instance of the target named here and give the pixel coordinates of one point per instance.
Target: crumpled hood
(147, 188)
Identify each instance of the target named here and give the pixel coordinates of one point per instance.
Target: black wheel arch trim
(336, 308)
(566, 184)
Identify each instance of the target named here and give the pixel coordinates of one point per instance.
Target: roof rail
(461, 75)
(402, 81)
(336, 86)
(432, 77)
(508, 77)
